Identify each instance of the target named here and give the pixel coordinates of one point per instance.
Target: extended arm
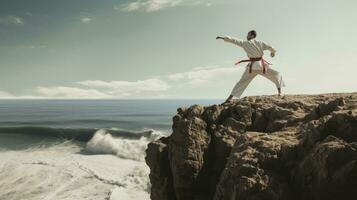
(232, 40)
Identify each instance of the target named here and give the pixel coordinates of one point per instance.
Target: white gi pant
(271, 74)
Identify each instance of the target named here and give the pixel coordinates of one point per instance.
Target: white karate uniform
(254, 49)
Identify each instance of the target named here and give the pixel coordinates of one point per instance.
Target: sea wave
(67, 169)
(61, 172)
(103, 142)
(78, 134)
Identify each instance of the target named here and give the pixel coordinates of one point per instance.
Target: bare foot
(229, 100)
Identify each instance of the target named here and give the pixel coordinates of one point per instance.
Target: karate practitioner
(256, 64)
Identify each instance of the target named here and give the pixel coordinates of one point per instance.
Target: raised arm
(269, 48)
(232, 40)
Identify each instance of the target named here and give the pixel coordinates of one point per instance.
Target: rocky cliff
(259, 148)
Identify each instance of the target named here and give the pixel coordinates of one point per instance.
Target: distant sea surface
(80, 149)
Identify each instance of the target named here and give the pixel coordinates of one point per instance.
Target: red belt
(264, 63)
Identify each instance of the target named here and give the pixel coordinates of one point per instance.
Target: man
(256, 64)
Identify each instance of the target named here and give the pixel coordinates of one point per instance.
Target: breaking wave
(79, 134)
(104, 143)
(72, 170)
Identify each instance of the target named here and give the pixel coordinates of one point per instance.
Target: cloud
(105, 89)
(127, 88)
(148, 5)
(5, 95)
(86, 20)
(176, 77)
(164, 86)
(12, 20)
(33, 47)
(199, 76)
(69, 92)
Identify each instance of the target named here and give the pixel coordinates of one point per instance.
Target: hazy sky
(167, 48)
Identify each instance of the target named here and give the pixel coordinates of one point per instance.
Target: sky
(167, 49)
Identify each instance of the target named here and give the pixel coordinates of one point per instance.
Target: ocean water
(80, 149)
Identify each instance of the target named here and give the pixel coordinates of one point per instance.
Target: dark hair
(253, 32)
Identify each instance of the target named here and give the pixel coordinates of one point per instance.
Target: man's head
(251, 35)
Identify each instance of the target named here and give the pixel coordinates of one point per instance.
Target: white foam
(104, 143)
(61, 172)
(121, 194)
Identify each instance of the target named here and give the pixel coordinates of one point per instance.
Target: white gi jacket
(253, 48)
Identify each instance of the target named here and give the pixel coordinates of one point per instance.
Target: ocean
(80, 149)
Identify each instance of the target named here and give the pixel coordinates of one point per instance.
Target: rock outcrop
(259, 148)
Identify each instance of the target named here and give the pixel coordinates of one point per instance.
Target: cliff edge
(298, 147)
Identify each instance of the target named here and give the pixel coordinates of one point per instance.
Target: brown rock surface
(259, 148)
